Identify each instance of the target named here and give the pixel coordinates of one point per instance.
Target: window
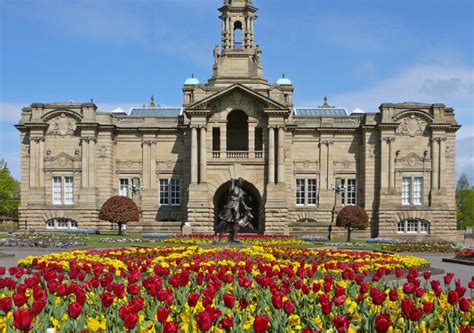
(305, 191)
(164, 192)
(349, 196)
(311, 191)
(412, 190)
(175, 192)
(300, 191)
(61, 223)
(124, 187)
(413, 226)
(170, 192)
(63, 190)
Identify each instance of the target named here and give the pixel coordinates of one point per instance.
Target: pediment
(239, 96)
(411, 160)
(62, 160)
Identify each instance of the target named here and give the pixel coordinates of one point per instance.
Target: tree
(352, 218)
(465, 208)
(463, 183)
(120, 210)
(9, 193)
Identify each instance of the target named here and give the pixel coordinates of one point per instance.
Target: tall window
(305, 191)
(124, 187)
(175, 192)
(412, 190)
(349, 196)
(170, 192)
(63, 190)
(164, 192)
(413, 226)
(300, 189)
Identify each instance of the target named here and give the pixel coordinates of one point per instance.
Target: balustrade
(237, 155)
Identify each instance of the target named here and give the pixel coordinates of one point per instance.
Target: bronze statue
(231, 219)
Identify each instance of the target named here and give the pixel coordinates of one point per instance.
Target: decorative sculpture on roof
(235, 214)
(62, 125)
(217, 54)
(411, 126)
(258, 54)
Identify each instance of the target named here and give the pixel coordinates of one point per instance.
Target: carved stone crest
(411, 160)
(62, 125)
(411, 126)
(103, 151)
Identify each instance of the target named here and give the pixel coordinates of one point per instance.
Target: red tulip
(243, 303)
(22, 319)
(204, 321)
(193, 298)
(382, 323)
(5, 304)
(260, 324)
(277, 301)
(464, 329)
(453, 297)
(289, 307)
(74, 309)
(428, 307)
(130, 320)
(229, 300)
(448, 278)
(227, 322)
(427, 275)
(107, 299)
(37, 306)
(170, 327)
(341, 323)
(162, 313)
(19, 299)
(393, 294)
(465, 304)
(399, 272)
(378, 296)
(339, 300)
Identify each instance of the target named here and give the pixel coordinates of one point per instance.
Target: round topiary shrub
(352, 218)
(120, 210)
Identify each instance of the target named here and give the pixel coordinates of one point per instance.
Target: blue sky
(358, 52)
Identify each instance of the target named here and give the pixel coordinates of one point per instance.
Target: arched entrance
(252, 198)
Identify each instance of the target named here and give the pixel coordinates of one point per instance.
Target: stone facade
(398, 163)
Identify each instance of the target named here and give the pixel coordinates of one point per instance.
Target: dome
(358, 111)
(284, 80)
(192, 80)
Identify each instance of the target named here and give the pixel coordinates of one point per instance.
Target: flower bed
(443, 247)
(43, 240)
(253, 289)
(465, 254)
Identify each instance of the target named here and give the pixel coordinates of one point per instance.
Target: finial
(192, 75)
(152, 101)
(283, 75)
(326, 104)
(92, 100)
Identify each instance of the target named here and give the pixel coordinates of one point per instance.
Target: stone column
(323, 164)
(41, 162)
(223, 139)
(203, 157)
(384, 159)
(194, 156)
(251, 139)
(153, 181)
(330, 167)
(435, 163)
(92, 165)
(281, 155)
(442, 162)
(33, 161)
(146, 164)
(271, 156)
(85, 163)
(391, 166)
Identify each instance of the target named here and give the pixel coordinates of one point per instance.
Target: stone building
(177, 163)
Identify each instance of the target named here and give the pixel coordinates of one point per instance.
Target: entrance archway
(252, 198)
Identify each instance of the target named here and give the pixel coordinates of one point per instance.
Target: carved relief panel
(61, 126)
(411, 126)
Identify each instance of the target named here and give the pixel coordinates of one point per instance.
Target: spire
(152, 102)
(325, 104)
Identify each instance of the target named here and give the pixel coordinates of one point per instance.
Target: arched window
(61, 223)
(413, 226)
(237, 35)
(237, 131)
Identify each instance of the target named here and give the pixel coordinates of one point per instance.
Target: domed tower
(237, 59)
